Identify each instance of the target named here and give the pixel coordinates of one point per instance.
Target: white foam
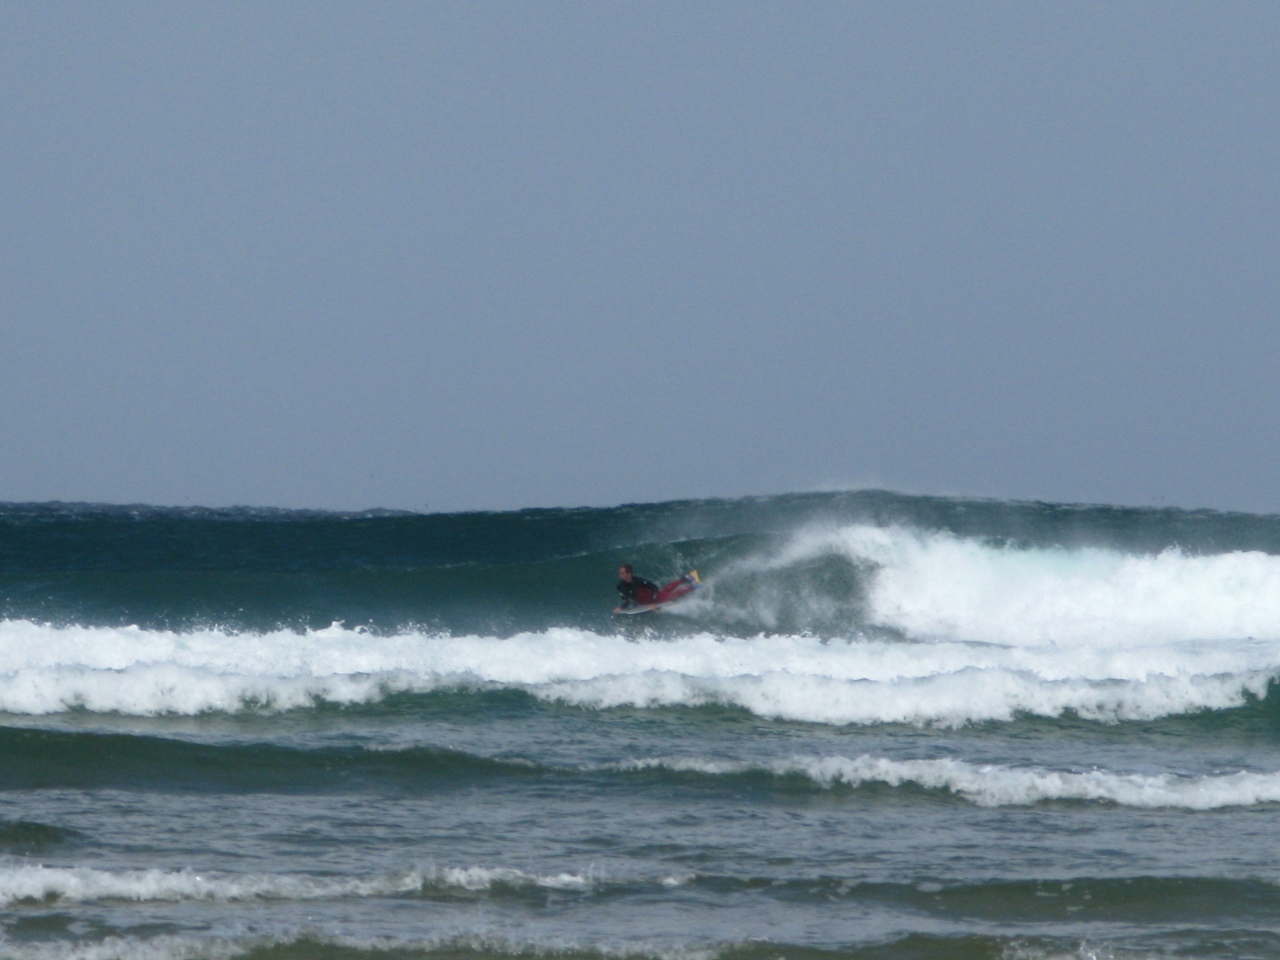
(485, 878)
(450, 943)
(163, 947)
(940, 586)
(944, 700)
(21, 882)
(994, 785)
(143, 672)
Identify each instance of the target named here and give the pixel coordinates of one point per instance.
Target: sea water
(887, 727)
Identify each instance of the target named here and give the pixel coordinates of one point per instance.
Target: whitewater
(887, 727)
(51, 670)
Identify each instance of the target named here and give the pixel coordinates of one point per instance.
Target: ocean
(888, 727)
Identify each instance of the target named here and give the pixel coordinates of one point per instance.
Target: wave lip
(997, 785)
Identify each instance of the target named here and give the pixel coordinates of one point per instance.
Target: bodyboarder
(636, 591)
(639, 592)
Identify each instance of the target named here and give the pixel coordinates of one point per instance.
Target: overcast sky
(482, 255)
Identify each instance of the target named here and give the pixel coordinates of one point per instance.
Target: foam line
(947, 700)
(38, 883)
(994, 785)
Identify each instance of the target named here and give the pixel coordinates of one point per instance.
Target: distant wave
(146, 672)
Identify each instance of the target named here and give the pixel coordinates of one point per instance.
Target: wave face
(887, 726)
(826, 564)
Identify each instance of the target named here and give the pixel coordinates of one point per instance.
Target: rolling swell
(45, 759)
(1016, 917)
(26, 837)
(1124, 899)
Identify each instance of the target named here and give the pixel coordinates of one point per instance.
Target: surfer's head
(624, 573)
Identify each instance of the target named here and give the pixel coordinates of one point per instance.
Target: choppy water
(889, 727)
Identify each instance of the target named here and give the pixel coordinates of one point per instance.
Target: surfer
(636, 591)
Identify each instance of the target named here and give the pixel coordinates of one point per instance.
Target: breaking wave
(936, 585)
(141, 672)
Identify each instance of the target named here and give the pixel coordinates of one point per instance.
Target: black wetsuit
(637, 592)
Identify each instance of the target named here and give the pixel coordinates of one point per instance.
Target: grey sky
(504, 255)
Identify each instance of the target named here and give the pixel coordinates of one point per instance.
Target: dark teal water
(888, 726)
